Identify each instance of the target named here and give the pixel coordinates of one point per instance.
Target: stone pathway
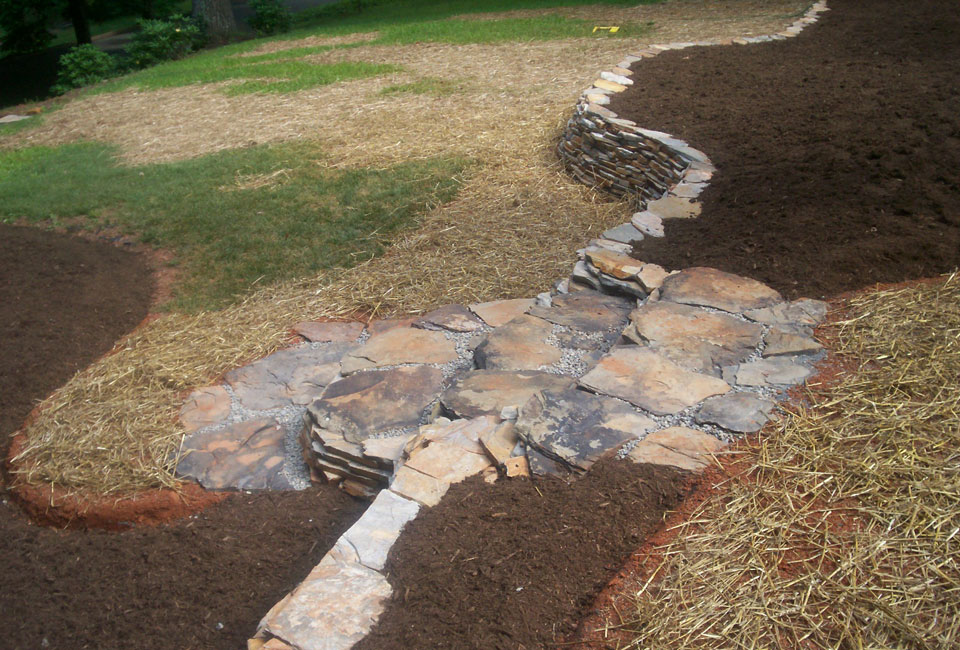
(621, 358)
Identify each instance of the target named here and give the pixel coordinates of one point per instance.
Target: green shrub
(164, 40)
(269, 17)
(82, 66)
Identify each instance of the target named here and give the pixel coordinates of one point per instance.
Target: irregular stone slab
(673, 207)
(329, 331)
(651, 277)
(693, 338)
(677, 446)
(374, 533)
(381, 326)
(518, 345)
(620, 266)
(204, 407)
(687, 190)
(333, 608)
(244, 456)
(778, 371)
(578, 428)
(781, 341)
(13, 117)
(425, 490)
(803, 313)
(740, 412)
(517, 466)
(707, 287)
(608, 244)
(650, 380)
(487, 392)
(541, 465)
(648, 223)
(294, 376)
(585, 275)
(501, 312)
(500, 442)
(455, 318)
(627, 287)
(465, 434)
(366, 403)
(588, 311)
(398, 346)
(385, 452)
(447, 462)
(625, 233)
(577, 340)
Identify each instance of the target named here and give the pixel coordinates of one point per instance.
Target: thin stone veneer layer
(342, 598)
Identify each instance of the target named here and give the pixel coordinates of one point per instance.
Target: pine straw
(845, 533)
(513, 228)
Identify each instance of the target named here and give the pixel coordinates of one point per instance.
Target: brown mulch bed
(64, 302)
(516, 564)
(838, 151)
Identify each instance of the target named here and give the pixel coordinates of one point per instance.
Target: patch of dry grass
(846, 532)
(513, 228)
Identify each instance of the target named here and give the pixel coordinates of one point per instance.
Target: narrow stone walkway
(622, 358)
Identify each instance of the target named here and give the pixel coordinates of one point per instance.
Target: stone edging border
(343, 596)
(664, 174)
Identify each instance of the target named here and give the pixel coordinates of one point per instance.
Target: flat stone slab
(677, 446)
(650, 380)
(381, 326)
(648, 223)
(329, 331)
(205, 407)
(455, 318)
(385, 452)
(244, 456)
(740, 412)
(781, 341)
(804, 313)
(518, 345)
(625, 233)
(694, 338)
(294, 376)
(500, 442)
(397, 346)
(708, 287)
(587, 310)
(775, 372)
(422, 488)
(618, 265)
(487, 392)
(448, 463)
(578, 428)
(501, 312)
(651, 276)
(333, 608)
(374, 533)
(674, 207)
(465, 434)
(366, 403)
(13, 117)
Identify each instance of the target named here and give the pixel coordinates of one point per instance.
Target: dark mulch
(201, 583)
(838, 150)
(64, 302)
(516, 564)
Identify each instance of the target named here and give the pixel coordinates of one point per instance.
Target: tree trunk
(217, 15)
(78, 16)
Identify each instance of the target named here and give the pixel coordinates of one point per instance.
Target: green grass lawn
(255, 215)
(398, 22)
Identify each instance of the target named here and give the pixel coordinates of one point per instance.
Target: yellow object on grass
(612, 30)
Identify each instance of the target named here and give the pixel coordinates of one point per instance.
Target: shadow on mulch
(518, 563)
(837, 150)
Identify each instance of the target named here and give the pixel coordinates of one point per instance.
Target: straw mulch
(513, 228)
(846, 532)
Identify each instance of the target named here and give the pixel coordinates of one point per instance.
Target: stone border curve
(341, 599)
